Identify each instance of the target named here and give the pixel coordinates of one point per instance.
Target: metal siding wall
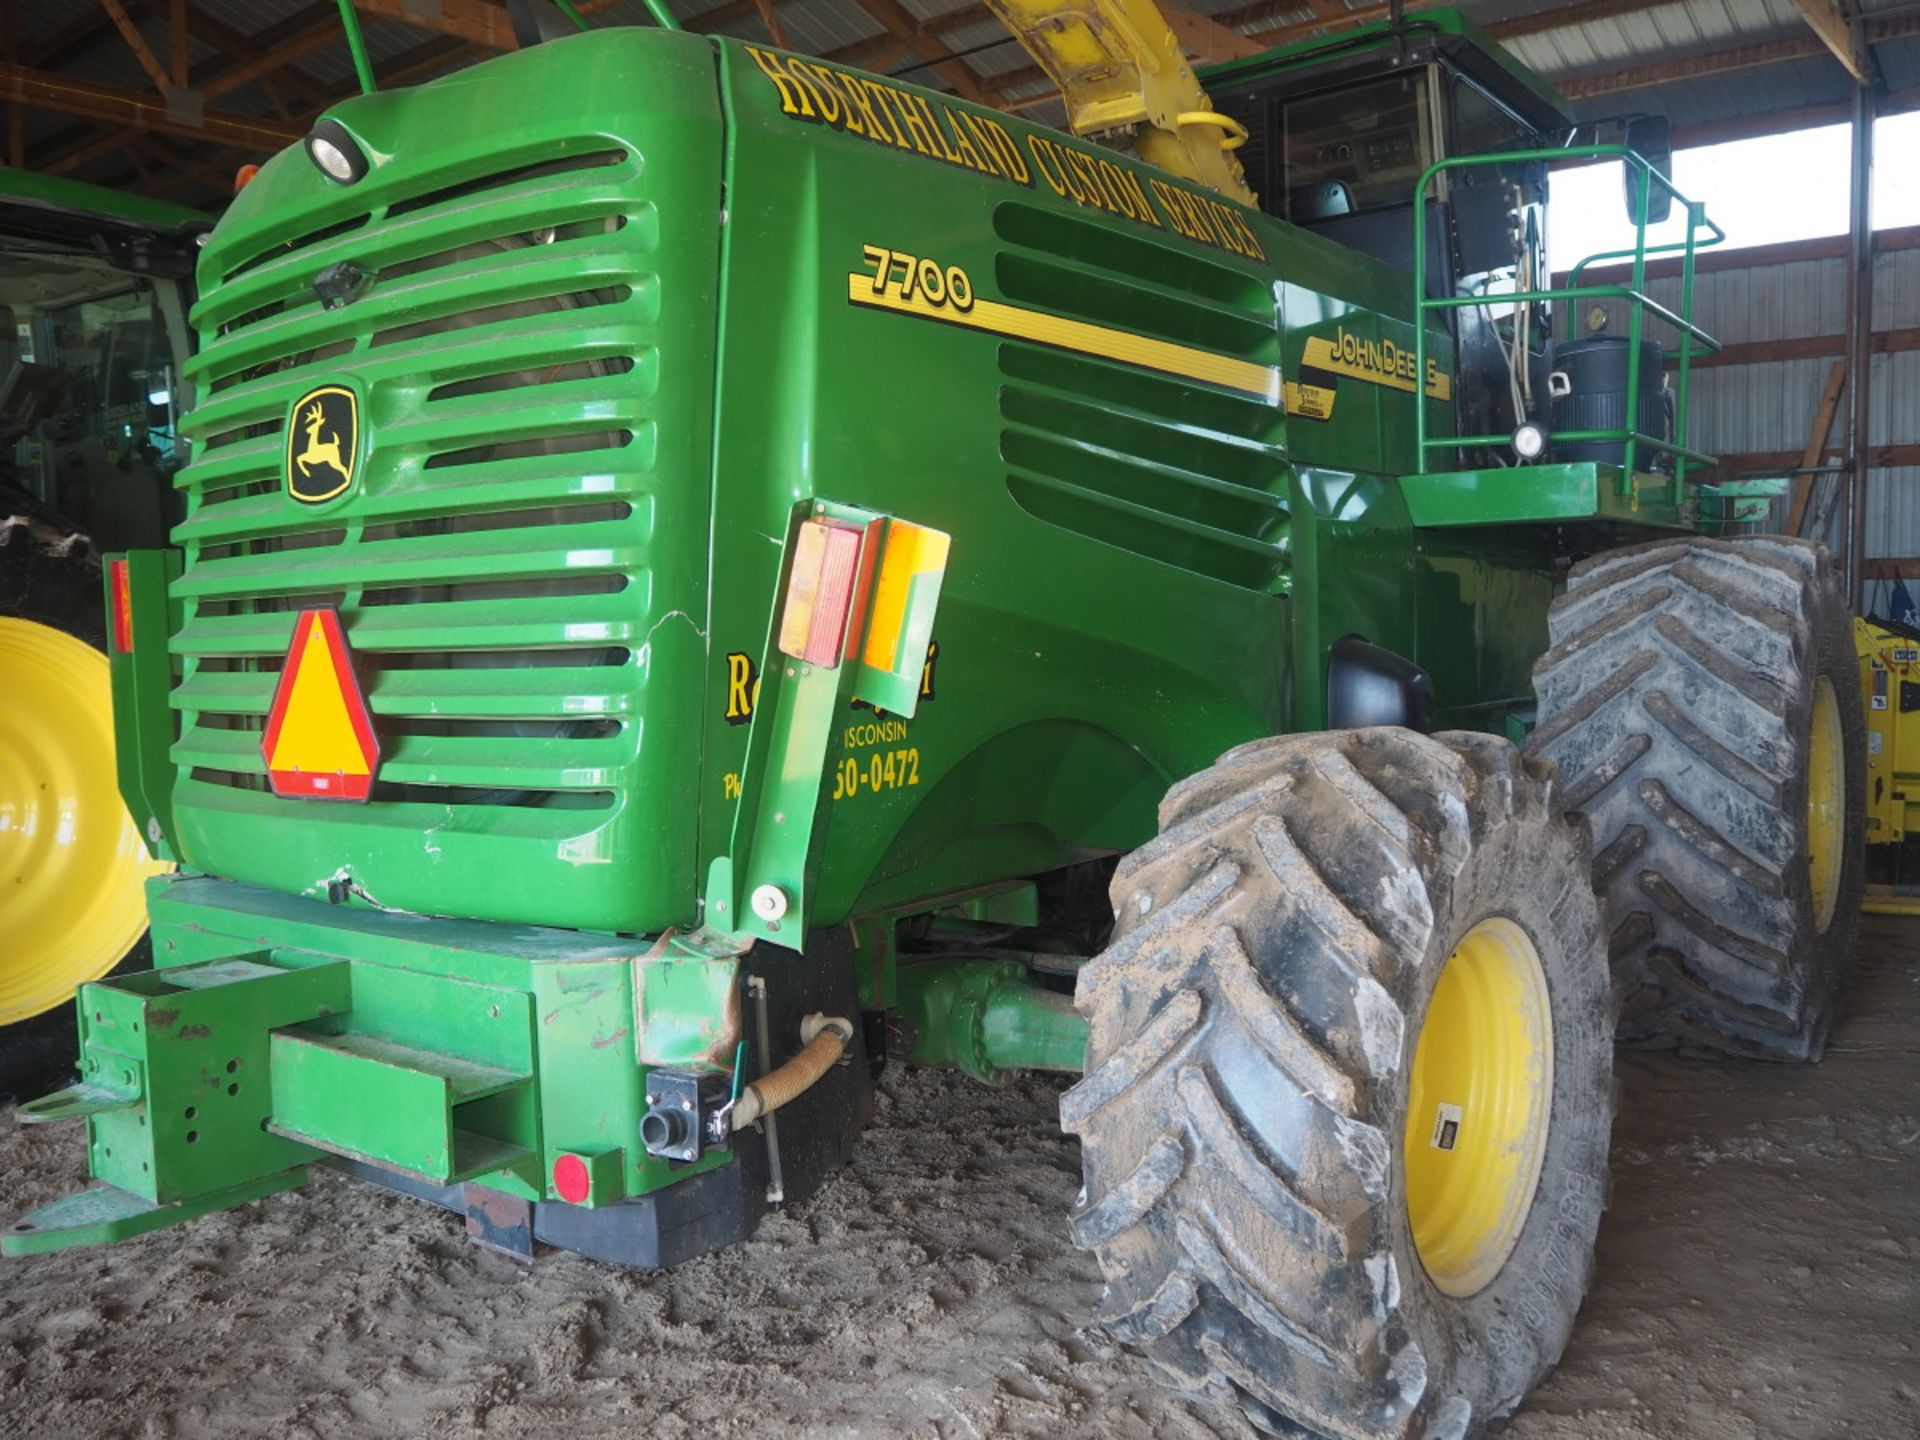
(1742, 408)
(1896, 289)
(1739, 409)
(1893, 512)
(1893, 495)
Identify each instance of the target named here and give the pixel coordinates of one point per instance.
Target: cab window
(1348, 151)
(1480, 126)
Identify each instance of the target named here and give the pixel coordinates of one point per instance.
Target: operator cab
(1340, 131)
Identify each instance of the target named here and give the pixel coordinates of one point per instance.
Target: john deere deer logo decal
(323, 443)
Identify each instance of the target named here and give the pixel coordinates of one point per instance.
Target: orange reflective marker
(320, 743)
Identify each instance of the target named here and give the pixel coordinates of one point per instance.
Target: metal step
(464, 1079)
(388, 1104)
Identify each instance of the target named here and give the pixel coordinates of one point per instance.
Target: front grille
(491, 566)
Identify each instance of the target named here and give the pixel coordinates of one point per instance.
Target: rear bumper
(458, 1061)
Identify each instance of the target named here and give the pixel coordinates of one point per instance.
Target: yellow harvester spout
(1118, 63)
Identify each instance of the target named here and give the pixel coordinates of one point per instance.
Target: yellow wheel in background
(1826, 803)
(1477, 1115)
(1717, 748)
(71, 862)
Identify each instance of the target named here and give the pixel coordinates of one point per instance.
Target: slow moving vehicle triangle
(319, 742)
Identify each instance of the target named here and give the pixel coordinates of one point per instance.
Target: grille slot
(513, 379)
(314, 237)
(485, 561)
(495, 314)
(1166, 468)
(1183, 474)
(495, 179)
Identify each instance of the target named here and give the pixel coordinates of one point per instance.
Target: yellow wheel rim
(71, 862)
(1481, 1099)
(1826, 803)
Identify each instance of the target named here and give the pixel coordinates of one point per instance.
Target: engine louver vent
(1178, 471)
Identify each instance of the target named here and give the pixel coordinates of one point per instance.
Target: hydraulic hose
(826, 1039)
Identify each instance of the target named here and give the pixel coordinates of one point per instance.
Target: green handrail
(357, 46)
(1692, 339)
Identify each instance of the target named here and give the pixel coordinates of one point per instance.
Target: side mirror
(1651, 138)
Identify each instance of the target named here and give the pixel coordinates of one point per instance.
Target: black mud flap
(1370, 685)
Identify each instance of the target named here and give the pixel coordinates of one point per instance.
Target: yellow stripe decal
(1019, 323)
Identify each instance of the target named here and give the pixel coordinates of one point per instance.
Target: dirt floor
(1759, 1277)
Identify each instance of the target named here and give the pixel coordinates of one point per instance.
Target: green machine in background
(693, 592)
(94, 291)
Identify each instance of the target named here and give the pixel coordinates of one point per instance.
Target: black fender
(1370, 685)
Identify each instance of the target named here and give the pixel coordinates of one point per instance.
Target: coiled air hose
(826, 1038)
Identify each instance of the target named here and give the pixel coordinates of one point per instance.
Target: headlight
(1530, 440)
(335, 153)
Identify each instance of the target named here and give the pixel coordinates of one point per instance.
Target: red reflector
(121, 605)
(820, 589)
(570, 1179)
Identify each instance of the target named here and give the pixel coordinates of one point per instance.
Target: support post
(1860, 341)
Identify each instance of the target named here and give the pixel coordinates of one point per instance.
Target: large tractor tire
(1349, 1084)
(71, 862)
(1702, 699)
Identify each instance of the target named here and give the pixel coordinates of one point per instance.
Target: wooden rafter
(1615, 79)
(956, 19)
(104, 143)
(429, 57)
(237, 47)
(215, 78)
(59, 45)
(1841, 34)
(1206, 39)
(478, 22)
(1562, 17)
(1329, 18)
(1720, 62)
(113, 105)
(771, 19)
(1801, 347)
(325, 33)
(1782, 462)
(896, 21)
(474, 21)
(875, 53)
(1275, 22)
(708, 21)
(136, 42)
(177, 44)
